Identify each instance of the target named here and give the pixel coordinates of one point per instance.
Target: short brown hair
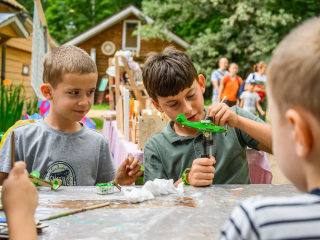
(66, 59)
(168, 73)
(294, 69)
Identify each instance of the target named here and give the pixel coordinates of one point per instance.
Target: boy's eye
(91, 92)
(190, 96)
(174, 105)
(74, 92)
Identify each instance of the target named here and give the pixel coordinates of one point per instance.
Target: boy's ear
(157, 106)
(202, 83)
(46, 91)
(301, 132)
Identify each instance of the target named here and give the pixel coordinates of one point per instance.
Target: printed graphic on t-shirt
(63, 171)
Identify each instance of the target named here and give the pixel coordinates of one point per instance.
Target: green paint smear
(55, 185)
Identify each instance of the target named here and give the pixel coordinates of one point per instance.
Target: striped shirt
(260, 217)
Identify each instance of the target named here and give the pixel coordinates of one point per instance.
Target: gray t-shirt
(249, 101)
(217, 75)
(82, 158)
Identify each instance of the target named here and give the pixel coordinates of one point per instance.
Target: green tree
(68, 18)
(243, 31)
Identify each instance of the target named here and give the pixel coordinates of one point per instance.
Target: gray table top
(197, 213)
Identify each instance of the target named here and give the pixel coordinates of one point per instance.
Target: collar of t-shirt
(315, 191)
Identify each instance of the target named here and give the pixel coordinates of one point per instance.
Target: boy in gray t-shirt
(59, 146)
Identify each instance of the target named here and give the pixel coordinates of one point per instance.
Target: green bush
(12, 101)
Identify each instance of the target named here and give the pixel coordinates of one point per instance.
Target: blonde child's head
(233, 68)
(66, 59)
(293, 101)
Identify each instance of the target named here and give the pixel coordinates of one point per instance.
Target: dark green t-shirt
(167, 154)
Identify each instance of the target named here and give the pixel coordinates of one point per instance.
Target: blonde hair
(294, 70)
(259, 65)
(66, 59)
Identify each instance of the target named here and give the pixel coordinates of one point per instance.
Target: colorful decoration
(35, 116)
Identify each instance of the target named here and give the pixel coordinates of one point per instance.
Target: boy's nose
(187, 108)
(84, 101)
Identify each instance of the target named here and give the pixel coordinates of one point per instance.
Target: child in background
(259, 75)
(230, 85)
(249, 100)
(295, 119)
(20, 199)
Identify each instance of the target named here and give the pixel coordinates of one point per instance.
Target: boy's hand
(201, 173)
(128, 172)
(19, 195)
(263, 113)
(222, 114)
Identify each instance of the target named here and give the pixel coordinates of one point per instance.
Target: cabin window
(25, 69)
(130, 42)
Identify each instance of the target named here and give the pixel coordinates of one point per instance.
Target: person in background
(249, 100)
(216, 77)
(230, 85)
(260, 77)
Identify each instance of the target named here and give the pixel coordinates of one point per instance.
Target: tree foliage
(245, 31)
(68, 18)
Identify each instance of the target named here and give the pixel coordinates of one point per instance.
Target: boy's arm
(223, 115)
(201, 173)
(259, 108)
(128, 172)
(20, 199)
(241, 103)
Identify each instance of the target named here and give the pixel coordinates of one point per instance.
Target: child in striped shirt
(294, 110)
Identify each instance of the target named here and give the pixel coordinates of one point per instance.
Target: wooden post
(137, 93)
(43, 19)
(111, 102)
(117, 78)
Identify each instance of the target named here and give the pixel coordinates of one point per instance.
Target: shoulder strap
(228, 78)
(237, 77)
(253, 76)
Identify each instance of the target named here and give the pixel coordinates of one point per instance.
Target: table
(197, 213)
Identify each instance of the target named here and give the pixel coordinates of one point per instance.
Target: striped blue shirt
(260, 217)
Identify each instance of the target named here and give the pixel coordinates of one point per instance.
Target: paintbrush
(13, 152)
(76, 211)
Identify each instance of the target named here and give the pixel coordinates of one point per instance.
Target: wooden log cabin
(114, 33)
(16, 44)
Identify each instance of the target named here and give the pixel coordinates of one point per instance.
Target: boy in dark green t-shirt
(174, 86)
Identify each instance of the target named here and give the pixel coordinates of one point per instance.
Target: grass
(99, 122)
(100, 107)
(207, 102)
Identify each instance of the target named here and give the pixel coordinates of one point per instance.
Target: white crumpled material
(152, 189)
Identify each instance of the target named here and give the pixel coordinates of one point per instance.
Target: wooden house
(16, 44)
(114, 33)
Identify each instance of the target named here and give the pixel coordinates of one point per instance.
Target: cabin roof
(16, 22)
(113, 19)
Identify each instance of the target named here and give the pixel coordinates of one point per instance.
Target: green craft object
(139, 181)
(203, 126)
(37, 175)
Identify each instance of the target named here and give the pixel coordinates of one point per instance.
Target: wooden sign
(148, 127)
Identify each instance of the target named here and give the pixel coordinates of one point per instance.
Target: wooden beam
(43, 18)
(137, 93)
(111, 102)
(117, 78)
